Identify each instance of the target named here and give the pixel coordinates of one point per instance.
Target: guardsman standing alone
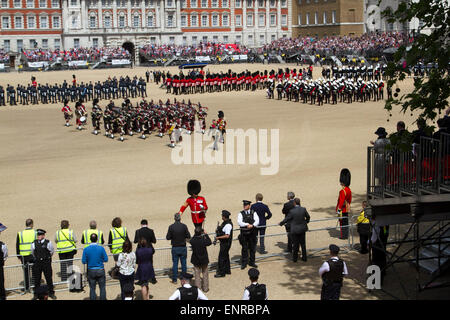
(23, 249)
(344, 201)
(224, 234)
(42, 250)
(248, 220)
(332, 273)
(195, 202)
(66, 248)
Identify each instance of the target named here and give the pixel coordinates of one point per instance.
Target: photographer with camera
(199, 259)
(224, 233)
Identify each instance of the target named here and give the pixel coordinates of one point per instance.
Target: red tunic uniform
(198, 208)
(344, 195)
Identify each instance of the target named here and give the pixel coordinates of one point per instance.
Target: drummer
(80, 111)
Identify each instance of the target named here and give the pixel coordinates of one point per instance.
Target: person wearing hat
(24, 241)
(248, 220)
(196, 203)
(224, 234)
(42, 250)
(178, 233)
(344, 201)
(41, 292)
(3, 257)
(379, 147)
(332, 272)
(255, 291)
(186, 291)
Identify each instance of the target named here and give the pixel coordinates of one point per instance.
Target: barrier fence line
(274, 244)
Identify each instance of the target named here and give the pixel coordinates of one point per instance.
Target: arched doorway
(130, 47)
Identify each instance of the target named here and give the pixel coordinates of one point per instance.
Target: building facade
(182, 22)
(321, 18)
(29, 24)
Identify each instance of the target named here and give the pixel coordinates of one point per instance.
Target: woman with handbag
(126, 263)
(145, 272)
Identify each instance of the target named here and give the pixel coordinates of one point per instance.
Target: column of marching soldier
(34, 93)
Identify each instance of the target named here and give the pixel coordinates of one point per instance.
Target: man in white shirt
(186, 291)
(224, 234)
(42, 250)
(248, 220)
(255, 291)
(332, 273)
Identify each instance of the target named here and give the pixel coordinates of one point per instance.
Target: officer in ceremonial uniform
(23, 249)
(224, 234)
(186, 291)
(248, 220)
(332, 273)
(65, 245)
(86, 237)
(255, 291)
(42, 250)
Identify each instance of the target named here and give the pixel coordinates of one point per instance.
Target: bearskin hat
(220, 115)
(345, 177)
(194, 187)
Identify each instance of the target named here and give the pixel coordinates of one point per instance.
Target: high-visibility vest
(118, 238)
(65, 241)
(26, 238)
(87, 236)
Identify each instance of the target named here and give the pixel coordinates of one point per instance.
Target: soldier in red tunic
(195, 202)
(344, 201)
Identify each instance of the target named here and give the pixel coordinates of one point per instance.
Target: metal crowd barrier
(275, 245)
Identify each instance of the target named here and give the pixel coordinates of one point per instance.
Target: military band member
(344, 201)
(332, 273)
(196, 203)
(96, 115)
(67, 112)
(248, 220)
(224, 233)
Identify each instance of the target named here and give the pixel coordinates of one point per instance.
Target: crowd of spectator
(74, 54)
(4, 56)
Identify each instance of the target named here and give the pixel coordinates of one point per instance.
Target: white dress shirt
(176, 295)
(49, 247)
(227, 229)
(5, 252)
(244, 224)
(326, 267)
(247, 294)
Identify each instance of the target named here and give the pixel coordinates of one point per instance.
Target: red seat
(446, 167)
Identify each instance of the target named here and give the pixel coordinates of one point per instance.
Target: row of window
(204, 20)
(31, 4)
(31, 22)
(325, 18)
(183, 3)
(32, 43)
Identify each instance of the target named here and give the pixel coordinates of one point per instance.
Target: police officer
(224, 234)
(255, 291)
(23, 249)
(186, 291)
(42, 250)
(147, 75)
(332, 273)
(3, 257)
(248, 220)
(86, 237)
(65, 245)
(2, 96)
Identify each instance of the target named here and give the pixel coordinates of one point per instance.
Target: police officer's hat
(334, 248)
(40, 232)
(253, 273)
(226, 213)
(186, 276)
(41, 291)
(194, 187)
(246, 202)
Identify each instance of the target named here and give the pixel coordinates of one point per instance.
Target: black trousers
(46, 269)
(26, 260)
(261, 234)
(289, 244)
(66, 265)
(363, 238)
(379, 257)
(2, 284)
(248, 251)
(344, 225)
(331, 291)
(298, 239)
(223, 266)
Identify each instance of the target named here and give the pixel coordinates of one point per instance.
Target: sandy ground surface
(50, 172)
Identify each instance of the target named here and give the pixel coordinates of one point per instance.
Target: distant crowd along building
(96, 23)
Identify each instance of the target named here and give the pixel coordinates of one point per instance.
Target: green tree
(431, 45)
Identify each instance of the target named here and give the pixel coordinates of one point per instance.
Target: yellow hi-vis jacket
(65, 241)
(118, 238)
(87, 236)
(26, 238)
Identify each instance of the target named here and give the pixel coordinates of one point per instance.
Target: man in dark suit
(286, 208)
(148, 234)
(261, 209)
(298, 218)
